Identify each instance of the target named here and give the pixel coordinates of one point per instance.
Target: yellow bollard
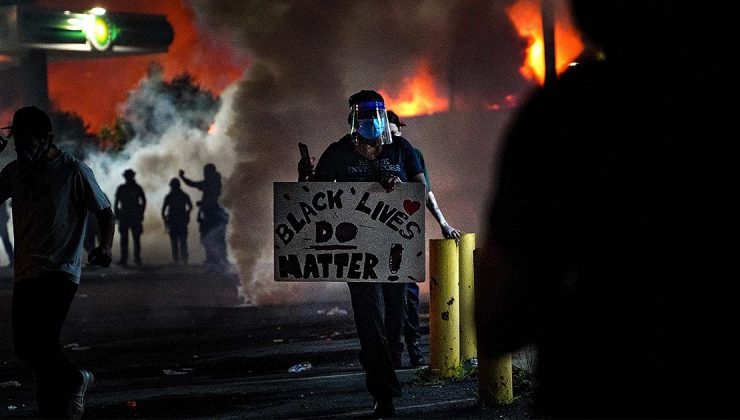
(495, 379)
(468, 341)
(444, 307)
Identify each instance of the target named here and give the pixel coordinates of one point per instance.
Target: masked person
(129, 205)
(370, 154)
(52, 193)
(411, 333)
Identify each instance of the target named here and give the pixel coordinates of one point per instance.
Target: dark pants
(179, 243)
(378, 310)
(136, 229)
(411, 323)
(39, 309)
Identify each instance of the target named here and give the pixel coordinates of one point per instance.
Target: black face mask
(32, 149)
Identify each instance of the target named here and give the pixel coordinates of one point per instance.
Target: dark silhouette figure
(52, 193)
(4, 234)
(129, 206)
(609, 234)
(176, 215)
(212, 218)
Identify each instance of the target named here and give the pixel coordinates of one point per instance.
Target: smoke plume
(178, 144)
(309, 56)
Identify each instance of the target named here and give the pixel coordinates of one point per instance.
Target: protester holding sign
(370, 154)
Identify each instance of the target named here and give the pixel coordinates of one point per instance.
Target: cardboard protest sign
(349, 231)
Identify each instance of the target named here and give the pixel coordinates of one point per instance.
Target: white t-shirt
(50, 205)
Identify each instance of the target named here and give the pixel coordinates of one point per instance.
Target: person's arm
(190, 183)
(306, 169)
(188, 204)
(164, 207)
(142, 199)
(102, 254)
(448, 232)
(116, 201)
(390, 181)
(95, 201)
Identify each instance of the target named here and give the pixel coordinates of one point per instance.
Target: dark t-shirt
(130, 200)
(420, 156)
(340, 162)
(177, 204)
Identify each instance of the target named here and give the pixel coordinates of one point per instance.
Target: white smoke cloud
(309, 56)
(157, 160)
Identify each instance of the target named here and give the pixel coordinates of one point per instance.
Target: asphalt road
(169, 342)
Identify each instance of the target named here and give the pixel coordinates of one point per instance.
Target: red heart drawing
(411, 207)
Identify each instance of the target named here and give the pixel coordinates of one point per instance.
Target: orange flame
(526, 17)
(419, 95)
(510, 101)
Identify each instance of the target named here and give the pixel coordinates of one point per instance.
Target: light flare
(527, 19)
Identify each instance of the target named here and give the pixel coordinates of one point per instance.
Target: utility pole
(547, 9)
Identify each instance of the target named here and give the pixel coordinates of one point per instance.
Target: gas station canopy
(78, 34)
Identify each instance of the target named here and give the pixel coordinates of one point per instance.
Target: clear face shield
(369, 123)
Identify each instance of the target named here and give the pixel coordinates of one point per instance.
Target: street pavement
(176, 342)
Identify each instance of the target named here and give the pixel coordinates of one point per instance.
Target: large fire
(526, 17)
(420, 95)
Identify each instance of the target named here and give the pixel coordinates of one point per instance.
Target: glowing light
(419, 95)
(97, 32)
(509, 102)
(525, 15)
(213, 129)
(97, 11)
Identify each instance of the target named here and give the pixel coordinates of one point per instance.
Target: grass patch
(427, 376)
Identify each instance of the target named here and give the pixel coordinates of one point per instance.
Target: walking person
(370, 154)
(129, 205)
(176, 215)
(52, 193)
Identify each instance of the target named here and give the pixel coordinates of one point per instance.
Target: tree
(157, 105)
